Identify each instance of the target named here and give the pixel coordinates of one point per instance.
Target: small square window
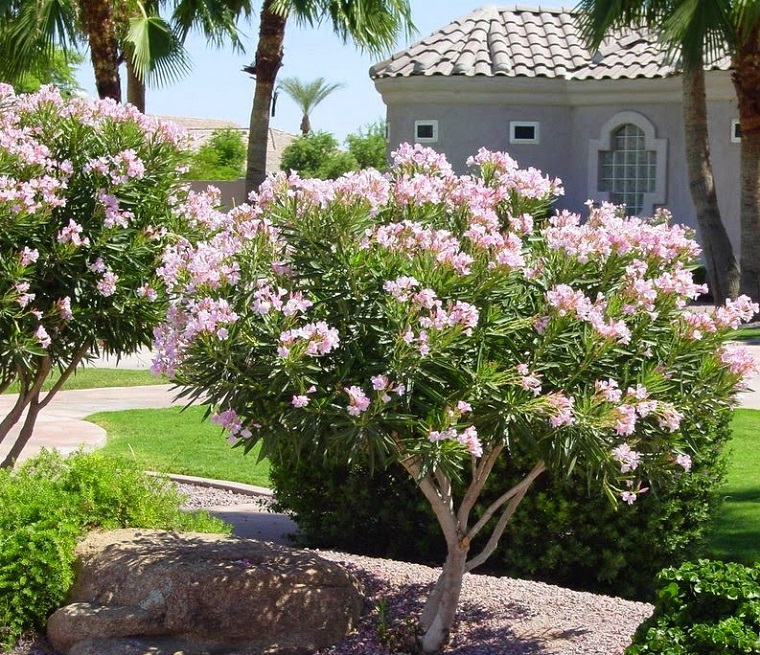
(736, 131)
(523, 131)
(426, 131)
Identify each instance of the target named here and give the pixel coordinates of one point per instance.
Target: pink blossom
(72, 234)
(529, 381)
(628, 497)
(625, 419)
(147, 292)
(469, 439)
(29, 256)
(608, 389)
(684, 461)
(107, 284)
(560, 409)
(43, 337)
(736, 312)
(463, 407)
(379, 382)
(64, 307)
(300, 401)
(739, 361)
(229, 420)
(23, 298)
(629, 459)
(668, 416)
(358, 400)
(566, 301)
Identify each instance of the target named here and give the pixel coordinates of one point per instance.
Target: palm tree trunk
(266, 65)
(135, 87)
(104, 51)
(746, 78)
(721, 263)
(305, 124)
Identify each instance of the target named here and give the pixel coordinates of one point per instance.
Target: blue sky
(217, 88)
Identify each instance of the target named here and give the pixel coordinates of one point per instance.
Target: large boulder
(150, 591)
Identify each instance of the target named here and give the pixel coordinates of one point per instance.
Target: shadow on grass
(737, 530)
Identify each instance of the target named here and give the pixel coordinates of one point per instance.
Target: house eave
(521, 91)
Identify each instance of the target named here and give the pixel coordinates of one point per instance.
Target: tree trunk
(440, 608)
(98, 22)
(746, 78)
(267, 63)
(722, 266)
(135, 87)
(305, 125)
(33, 409)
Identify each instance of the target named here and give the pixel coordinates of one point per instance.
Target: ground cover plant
(437, 323)
(49, 503)
(89, 198)
(176, 440)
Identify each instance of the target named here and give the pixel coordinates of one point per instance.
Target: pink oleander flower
(72, 234)
(43, 337)
(628, 458)
(529, 381)
(29, 256)
(463, 407)
(668, 417)
(736, 312)
(684, 461)
(24, 298)
(739, 361)
(358, 400)
(379, 382)
(628, 497)
(560, 409)
(147, 292)
(625, 420)
(469, 439)
(567, 301)
(609, 390)
(64, 307)
(300, 401)
(229, 420)
(107, 284)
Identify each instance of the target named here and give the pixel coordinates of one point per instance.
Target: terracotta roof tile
(529, 42)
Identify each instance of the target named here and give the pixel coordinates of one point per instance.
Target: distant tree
(369, 146)
(372, 25)
(221, 157)
(317, 155)
(57, 70)
(307, 95)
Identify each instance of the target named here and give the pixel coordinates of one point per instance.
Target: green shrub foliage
(566, 533)
(222, 157)
(703, 608)
(317, 155)
(49, 503)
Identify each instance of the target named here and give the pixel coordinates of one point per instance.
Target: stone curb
(235, 487)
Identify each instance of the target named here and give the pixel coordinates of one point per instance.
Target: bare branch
(520, 488)
(482, 472)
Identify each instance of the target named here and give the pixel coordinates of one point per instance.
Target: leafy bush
(49, 503)
(369, 147)
(317, 155)
(221, 157)
(703, 608)
(564, 534)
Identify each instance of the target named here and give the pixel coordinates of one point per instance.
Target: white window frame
(513, 125)
(734, 126)
(660, 146)
(421, 123)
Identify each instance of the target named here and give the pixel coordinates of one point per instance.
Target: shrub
(369, 146)
(89, 198)
(564, 534)
(49, 503)
(444, 323)
(317, 155)
(221, 157)
(703, 608)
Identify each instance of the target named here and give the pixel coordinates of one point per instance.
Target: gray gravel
(498, 616)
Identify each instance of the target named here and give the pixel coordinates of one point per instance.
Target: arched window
(627, 165)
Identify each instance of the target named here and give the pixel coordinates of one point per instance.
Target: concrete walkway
(60, 425)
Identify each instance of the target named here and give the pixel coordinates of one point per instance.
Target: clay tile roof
(529, 42)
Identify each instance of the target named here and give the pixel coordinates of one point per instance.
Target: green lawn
(179, 441)
(96, 378)
(747, 334)
(737, 531)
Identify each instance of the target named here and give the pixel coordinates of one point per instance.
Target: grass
(179, 441)
(747, 334)
(737, 529)
(96, 378)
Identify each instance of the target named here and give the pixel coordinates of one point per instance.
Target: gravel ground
(498, 616)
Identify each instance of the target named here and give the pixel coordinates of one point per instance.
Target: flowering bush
(88, 195)
(437, 322)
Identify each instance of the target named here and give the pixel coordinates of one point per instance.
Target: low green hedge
(51, 502)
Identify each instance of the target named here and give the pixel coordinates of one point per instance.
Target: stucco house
(608, 123)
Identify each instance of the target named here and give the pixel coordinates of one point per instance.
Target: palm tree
(307, 95)
(129, 31)
(691, 32)
(371, 24)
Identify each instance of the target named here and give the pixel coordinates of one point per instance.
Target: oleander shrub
(51, 502)
(703, 608)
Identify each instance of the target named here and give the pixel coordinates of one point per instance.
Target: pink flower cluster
(739, 361)
(559, 408)
(320, 339)
(119, 168)
(628, 458)
(72, 234)
(467, 437)
(568, 302)
(267, 299)
(529, 381)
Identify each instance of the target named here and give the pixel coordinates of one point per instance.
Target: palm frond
(308, 95)
(157, 54)
(215, 19)
(703, 29)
